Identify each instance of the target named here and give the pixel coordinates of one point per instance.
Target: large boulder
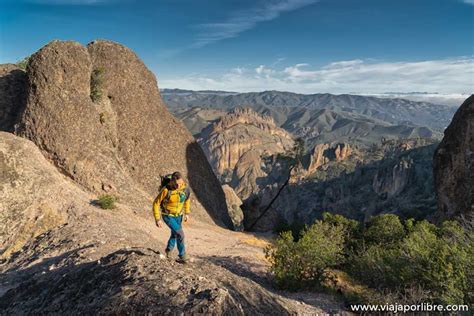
(96, 112)
(453, 165)
(233, 205)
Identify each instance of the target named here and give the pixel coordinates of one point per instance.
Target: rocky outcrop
(138, 282)
(240, 131)
(453, 165)
(233, 205)
(324, 153)
(246, 173)
(391, 177)
(389, 182)
(96, 112)
(12, 95)
(30, 188)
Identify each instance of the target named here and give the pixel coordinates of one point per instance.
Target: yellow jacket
(177, 201)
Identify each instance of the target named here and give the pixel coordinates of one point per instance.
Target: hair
(176, 175)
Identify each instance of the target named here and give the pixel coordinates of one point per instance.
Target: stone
(233, 205)
(97, 114)
(453, 166)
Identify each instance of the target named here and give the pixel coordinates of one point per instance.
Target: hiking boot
(183, 259)
(168, 254)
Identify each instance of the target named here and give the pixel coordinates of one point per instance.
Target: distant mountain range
(393, 111)
(317, 118)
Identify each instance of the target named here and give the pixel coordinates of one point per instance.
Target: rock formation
(246, 172)
(228, 139)
(454, 165)
(323, 153)
(392, 177)
(391, 181)
(233, 205)
(85, 110)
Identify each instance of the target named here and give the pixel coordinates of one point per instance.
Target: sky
(306, 46)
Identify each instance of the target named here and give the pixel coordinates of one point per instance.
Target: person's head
(176, 180)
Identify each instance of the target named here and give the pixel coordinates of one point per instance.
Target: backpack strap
(167, 197)
(187, 191)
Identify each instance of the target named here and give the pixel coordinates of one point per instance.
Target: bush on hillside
(303, 263)
(107, 201)
(384, 229)
(22, 64)
(97, 81)
(435, 258)
(408, 262)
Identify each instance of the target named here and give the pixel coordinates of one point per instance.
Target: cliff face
(96, 112)
(392, 177)
(389, 182)
(242, 130)
(453, 165)
(324, 153)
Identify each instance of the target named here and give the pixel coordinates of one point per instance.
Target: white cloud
(468, 1)
(264, 71)
(244, 20)
(445, 76)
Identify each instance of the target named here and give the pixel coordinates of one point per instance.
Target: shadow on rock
(205, 186)
(13, 96)
(129, 281)
(242, 267)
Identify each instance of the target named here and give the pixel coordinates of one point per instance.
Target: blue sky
(339, 46)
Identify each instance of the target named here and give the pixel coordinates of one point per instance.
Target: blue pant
(177, 233)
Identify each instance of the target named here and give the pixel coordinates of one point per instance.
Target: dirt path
(242, 253)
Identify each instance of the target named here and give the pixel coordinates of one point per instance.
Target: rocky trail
(111, 261)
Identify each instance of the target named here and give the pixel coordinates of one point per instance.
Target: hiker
(168, 206)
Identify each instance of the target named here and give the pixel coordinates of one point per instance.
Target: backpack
(165, 181)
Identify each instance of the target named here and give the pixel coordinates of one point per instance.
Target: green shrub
(107, 201)
(410, 262)
(349, 225)
(295, 228)
(384, 229)
(22, 64)
(97, 81)
(352, 229)
(303, 263)
(437, 259)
